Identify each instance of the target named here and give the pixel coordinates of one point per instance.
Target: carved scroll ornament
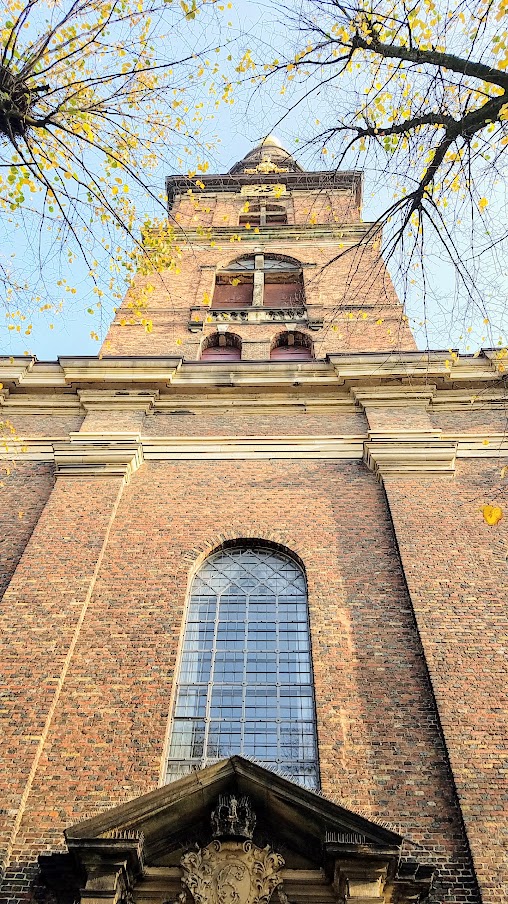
(231, 872)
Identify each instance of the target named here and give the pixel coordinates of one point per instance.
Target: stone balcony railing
(291, 314)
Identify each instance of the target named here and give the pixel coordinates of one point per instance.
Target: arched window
(245, 680)
(292, 346)
(259, 279)
(222, 347)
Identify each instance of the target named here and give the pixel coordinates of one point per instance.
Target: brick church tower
(253, 623)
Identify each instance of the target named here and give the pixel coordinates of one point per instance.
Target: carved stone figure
(233, 817)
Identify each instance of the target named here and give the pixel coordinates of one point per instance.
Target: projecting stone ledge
(402, 455)
(98, 455)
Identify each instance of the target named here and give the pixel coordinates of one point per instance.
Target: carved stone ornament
(259, 316)
(260, 189)
(230, 872)
(233, 817)
(265, 166)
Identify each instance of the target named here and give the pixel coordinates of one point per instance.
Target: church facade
(253, 623)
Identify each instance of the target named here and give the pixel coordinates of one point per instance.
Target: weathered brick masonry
(457, 580)
(380, 749)
(368, 461)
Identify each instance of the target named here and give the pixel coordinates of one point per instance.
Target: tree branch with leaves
(94, 96)
(416, 91)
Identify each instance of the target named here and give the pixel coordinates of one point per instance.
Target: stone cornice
(72, 385)
(251, 403)
(385, 453)
(299, 181)
(394, 397)
(120, 370)
(429, 367)
(234, 237)
(254, 373)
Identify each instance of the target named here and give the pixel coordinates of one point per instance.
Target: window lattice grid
(245, 683)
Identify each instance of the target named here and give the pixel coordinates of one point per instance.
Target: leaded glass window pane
(245, 682)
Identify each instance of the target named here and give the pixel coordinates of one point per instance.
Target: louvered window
(222, 347)
(245, 679)
(292, 346)
(261, 213)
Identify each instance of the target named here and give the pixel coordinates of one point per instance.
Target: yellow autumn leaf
(492, 514)
(482, 203)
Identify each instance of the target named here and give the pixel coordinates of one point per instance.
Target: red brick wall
(353, 295)
(303, 208)
(24, 493)
(472, 421)
(235, 423)
(456, 569)
(50, 425)
(40, 617)
(380, 747)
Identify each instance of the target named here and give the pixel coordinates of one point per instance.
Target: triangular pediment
(287, 814)
(187, 842)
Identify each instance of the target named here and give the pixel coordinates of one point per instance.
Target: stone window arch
(245, 681)
(292, 345)
(221, 347)
(269, 280)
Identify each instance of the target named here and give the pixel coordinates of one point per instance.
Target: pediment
(292, 815)
(148, 839)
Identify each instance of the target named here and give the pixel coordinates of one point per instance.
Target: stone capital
(118, 400)
(399, 455)
(361, 880)
(393, 396)
(98, 455)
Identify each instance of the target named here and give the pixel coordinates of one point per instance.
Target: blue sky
(237, 128)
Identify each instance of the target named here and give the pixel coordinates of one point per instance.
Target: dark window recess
(283, 294)
(233, 291)
(279, 283)
(222, 347)
(261, 214)
(292, 347)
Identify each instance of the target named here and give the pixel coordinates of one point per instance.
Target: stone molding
(98, 455)
(393, 397)
(119, 400)
(249, 447)
(364, 880)
(414, 453)
(122, 453)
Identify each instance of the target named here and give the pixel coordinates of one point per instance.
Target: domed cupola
(267, 157)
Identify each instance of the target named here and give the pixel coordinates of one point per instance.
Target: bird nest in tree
(15, 101)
